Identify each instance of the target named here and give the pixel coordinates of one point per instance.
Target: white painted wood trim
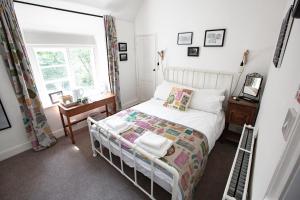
(14, 150)
(27, 145)
(286, 165)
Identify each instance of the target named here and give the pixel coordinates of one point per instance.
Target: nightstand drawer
(240, 114)
(239, 118)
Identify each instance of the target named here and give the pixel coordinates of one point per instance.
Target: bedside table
(239, 112)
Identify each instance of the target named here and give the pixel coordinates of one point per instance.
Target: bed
(162, 171)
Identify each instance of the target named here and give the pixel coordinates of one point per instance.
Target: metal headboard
(200, 79)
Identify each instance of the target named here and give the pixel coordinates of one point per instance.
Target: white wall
(279, 95)
(119, 8)
(250, 25)
(13, 141)
(125, 31)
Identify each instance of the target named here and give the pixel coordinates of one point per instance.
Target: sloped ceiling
(125, 9)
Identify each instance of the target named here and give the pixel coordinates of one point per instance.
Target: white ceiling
(124, 9)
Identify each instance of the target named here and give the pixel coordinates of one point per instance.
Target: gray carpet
(62, 172)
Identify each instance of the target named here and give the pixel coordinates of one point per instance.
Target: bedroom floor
(66, 172)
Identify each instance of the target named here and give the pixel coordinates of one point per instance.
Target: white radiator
(238, 180)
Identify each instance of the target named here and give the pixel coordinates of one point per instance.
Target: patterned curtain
(112, 53)
(18, 68)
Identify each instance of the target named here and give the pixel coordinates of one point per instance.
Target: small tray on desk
(69, 105)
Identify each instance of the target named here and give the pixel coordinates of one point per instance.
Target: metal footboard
(136, 150)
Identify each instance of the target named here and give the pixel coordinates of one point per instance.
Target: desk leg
(63, 123)
(106, 110)
(70, 129)
(114, 107)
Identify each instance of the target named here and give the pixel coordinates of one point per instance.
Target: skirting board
(26, 146)
(14, 150)
(57, 133)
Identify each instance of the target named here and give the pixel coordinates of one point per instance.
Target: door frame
(287, 166)
(136, 60)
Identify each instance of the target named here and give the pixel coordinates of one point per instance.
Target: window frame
(37, 69)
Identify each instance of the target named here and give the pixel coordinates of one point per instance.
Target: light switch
(288, 123)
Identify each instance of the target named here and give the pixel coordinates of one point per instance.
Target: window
(54, 69)
(64, 69)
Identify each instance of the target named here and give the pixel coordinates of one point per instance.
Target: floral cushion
(179, 98)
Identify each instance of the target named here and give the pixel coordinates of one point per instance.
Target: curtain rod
(54, 8)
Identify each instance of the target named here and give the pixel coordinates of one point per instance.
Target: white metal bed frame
(185, 76)
(199, 79)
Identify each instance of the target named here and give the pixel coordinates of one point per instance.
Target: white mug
(77, 93)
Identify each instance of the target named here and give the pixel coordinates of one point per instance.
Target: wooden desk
(82, 108)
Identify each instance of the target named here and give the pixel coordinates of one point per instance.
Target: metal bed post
(92, 139)
(121, 155)
(134, 161)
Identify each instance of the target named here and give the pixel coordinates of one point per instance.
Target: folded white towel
(153, 140)
(116, 123)
(158, 152)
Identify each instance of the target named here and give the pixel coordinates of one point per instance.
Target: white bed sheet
(210, 124)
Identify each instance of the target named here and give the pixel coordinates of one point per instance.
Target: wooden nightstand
(239, 112)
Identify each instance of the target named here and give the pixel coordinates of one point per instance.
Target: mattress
(211, 125)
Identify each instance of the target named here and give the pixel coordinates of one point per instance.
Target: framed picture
(193, 51)
(185, 38)
(55, 96)
(123, 57)
(4, 122)
(296, 13)
(214, 38)
(283, 38)
(122, 46)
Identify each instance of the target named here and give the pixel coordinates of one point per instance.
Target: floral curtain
(112, 53)
(18, 68)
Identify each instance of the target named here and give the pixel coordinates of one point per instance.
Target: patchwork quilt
(188, 154)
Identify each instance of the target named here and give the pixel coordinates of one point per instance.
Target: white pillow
(207, 103)
(208, 100)
(212, 92)
(163, 90)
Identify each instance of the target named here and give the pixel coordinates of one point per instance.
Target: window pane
(54, 73)
(48, 58)
(58, 86)
(81, 62)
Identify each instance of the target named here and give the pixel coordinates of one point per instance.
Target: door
(146, 66)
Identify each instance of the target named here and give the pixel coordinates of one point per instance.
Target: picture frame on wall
(55, 97)
(185, 38)
(122, 46)
(123, 57)
(193, 51)
(4, 122)
(283, 38)
(214, 38)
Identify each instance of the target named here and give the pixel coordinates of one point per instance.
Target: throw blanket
(188, 154)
